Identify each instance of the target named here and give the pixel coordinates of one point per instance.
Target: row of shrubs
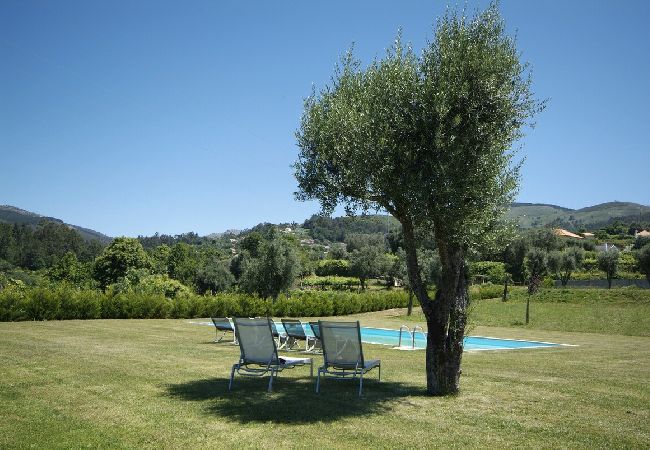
(330, 282)
(65, 302)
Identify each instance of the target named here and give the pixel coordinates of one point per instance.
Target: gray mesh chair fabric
(343, 353)
(224, 326)
(259, 353)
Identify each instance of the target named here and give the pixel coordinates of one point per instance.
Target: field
(616, 311)
(163, 383)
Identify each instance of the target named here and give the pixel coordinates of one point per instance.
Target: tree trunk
(609, 282)
(505, 290)
(446, 316)
(409, 309)
(527, 308)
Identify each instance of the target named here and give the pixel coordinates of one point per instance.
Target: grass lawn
(611, 311)
(163, 383)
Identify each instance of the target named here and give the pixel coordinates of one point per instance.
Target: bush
(333, 267)
(66, 302)
(493, 272)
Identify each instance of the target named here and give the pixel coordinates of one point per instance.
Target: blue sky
(131, 117)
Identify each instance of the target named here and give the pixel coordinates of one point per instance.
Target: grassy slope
(163, 383)
(616, 311)
(538, 215)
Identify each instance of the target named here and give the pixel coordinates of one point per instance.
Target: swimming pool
(390, 337)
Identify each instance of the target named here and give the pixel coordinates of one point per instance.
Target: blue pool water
(390, 337)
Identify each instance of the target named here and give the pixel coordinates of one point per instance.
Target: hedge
(65, 302)
(330, 282)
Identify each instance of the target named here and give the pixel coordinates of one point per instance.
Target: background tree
(183, 263)
(643, 261)
(563, 264)
(252, 243)
(545, 239)
(121, 255)
(159, 258)
(357, 241)
(427, 139)
(536, 265)
(368, 262)
(273, 271)
(69, 269)
(338, 251)
(641, 242)
(214, 276)
(608, 262)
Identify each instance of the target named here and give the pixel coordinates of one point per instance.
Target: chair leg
(360, 383)
(271, 382)
(232, 376)
(318, 382)
(379, 372)
(311, 368)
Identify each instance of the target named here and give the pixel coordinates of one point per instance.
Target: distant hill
(337, 228)
(11, 214)
(532, 215)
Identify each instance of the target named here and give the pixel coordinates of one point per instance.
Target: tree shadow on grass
(292, 400)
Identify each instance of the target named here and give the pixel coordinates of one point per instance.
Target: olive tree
(429, 139)
(608, 261)
(643, 261)
(272, 271)
(366, 263)
(536, 265)
(563, 263)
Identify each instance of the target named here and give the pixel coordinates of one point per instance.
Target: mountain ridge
(12, 214)
(532, 215)
(529, 215)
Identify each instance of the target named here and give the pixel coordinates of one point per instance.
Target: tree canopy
(429, 139)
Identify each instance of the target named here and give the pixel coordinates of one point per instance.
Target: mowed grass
(610, 311)
(164, 383)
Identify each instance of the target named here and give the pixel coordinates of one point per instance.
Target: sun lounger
(259, 352)
(343, 353)
(317, 345)
(296, 332)
(223, 325)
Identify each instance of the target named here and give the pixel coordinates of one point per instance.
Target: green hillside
(11, 214)
(532, 215)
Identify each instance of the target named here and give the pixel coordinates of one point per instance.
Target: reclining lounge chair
(343, 353)
(295, 333)
(259, 352)
(223, 325)
(318, 345)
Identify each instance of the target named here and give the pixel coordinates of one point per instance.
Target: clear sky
(131, 117)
